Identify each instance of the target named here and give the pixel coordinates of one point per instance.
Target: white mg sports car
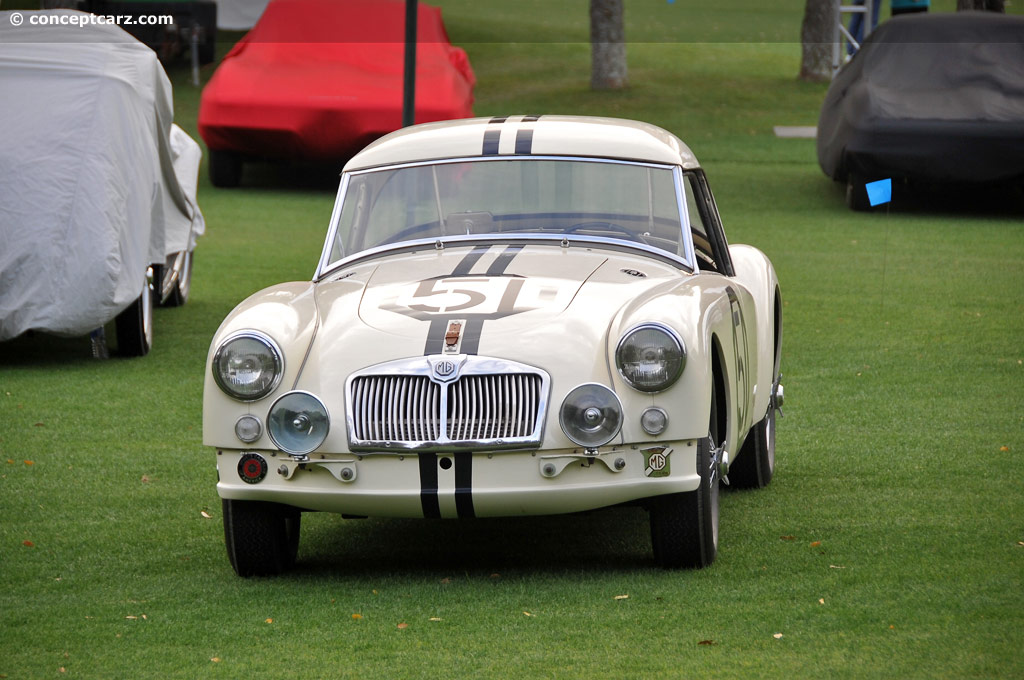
(524, 315)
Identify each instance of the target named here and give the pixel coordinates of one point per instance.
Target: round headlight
(650, 357)
(298, 423)
(591, 415)
(248, 366)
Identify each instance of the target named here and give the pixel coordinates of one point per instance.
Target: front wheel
(684, 526)
(262, 538)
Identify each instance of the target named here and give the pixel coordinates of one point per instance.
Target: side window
(698, 226)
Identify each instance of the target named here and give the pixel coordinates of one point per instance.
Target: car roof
(548, 135)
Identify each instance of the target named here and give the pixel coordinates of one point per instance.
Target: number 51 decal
(496, 295)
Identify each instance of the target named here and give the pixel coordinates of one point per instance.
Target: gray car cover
(96, 183)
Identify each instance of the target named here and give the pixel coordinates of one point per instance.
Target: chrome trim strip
(559, 240)
(428, 412)
(684, 218)
(512, 157)
(332, 227)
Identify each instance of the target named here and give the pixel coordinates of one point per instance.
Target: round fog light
(298, 423)
(654, 420)
(248, 429)
(591, 415)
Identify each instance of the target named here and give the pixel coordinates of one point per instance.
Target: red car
(317, 80)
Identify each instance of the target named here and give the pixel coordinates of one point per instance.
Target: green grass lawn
(890, 544)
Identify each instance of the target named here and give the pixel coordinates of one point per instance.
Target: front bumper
(462, 484)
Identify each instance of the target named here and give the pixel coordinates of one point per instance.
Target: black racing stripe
(464, 484)
(474, 326)
(471, 336)
(439, 325)
(428, 485)
(524, 141)
(435, 336)
(493, 135)
(502, 262)
(469, 261)
(491, 138)
(524, 137)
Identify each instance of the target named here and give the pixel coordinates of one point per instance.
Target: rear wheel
(134, 325)
(857, 193)
(173, 281)
(755, 465)
(262, 538)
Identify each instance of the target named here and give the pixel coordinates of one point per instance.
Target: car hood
(541, 305)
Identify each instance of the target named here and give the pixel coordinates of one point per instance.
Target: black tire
(225, 169)
(684, 526)
(134, 326)
(857, 193)
(173, 281)
(262, 538)
(755, 466)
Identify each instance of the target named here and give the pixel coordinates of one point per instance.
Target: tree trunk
(982, 5)
(817, 36)
(607, 45)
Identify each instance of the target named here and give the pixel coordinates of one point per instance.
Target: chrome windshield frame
(325, 267)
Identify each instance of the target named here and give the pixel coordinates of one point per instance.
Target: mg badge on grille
(443, 369)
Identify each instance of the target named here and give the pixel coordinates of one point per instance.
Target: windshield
(626, 201)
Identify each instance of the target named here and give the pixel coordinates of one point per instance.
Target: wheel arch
(720, 404)
(777, 331)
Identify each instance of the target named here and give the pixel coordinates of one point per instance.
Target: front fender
(288, 314)
(698, 310)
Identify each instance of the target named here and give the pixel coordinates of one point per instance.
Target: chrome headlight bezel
(276, 356)
(675, 343)
(278, 418)
(575, 406)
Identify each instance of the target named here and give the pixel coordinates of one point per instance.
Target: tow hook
(723, 467)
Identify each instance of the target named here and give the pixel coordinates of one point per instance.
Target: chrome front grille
(482, 407)
(482, 404)
(395, 408)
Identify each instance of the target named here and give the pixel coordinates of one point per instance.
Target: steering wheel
(606, 226)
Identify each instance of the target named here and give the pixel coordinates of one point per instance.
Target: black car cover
(929, 97)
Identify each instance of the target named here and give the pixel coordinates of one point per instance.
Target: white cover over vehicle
(523, 315)
(98, 183)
